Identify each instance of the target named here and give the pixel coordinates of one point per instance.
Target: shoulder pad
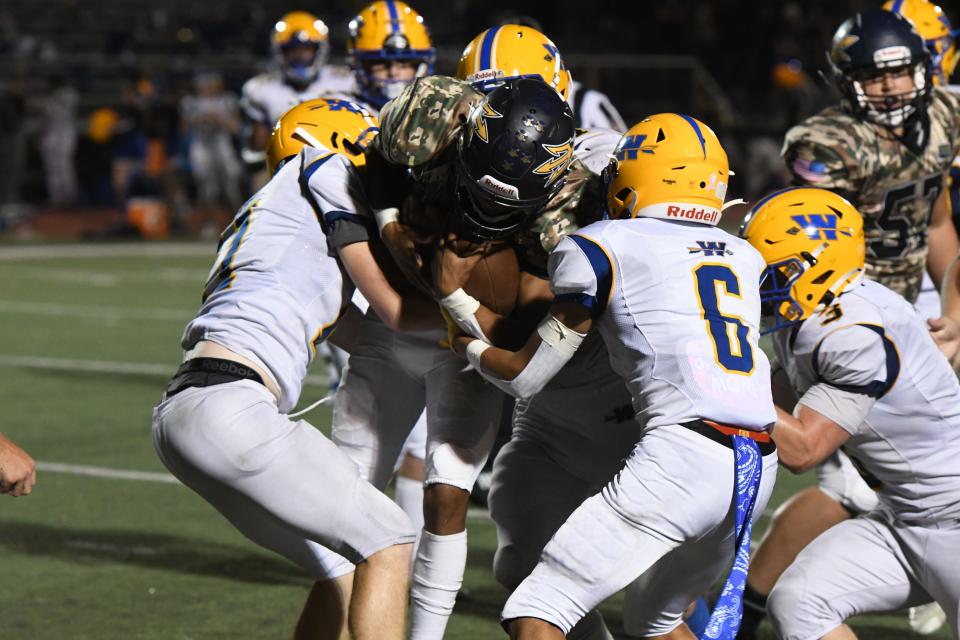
(418, 125)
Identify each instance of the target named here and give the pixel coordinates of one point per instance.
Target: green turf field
(88, 341)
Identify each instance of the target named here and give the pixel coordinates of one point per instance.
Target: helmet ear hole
(823, 277)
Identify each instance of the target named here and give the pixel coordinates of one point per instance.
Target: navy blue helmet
(512, 158)
(873, 43)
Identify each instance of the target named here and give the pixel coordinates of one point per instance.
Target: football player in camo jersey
(887, 149)
(392, 376)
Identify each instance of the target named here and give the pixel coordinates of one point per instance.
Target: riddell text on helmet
(693, 213)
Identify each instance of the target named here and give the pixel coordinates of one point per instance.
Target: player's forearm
(950, 292)
(524, 373)
(942, 241)
(795, 446)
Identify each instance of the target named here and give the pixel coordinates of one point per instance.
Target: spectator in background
(129, 143)
(18, 471)
(12, 108)
(57, 109)
(210, 118)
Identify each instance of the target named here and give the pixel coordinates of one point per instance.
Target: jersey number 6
(728, 333)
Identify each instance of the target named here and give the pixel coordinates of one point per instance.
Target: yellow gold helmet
(668, 166)
(383, 32)
(812, 241)
(325, 123)
(933, 25)
(510, 51)
(300, 44)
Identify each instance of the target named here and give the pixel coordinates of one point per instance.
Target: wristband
(474, 350)
(386, 216)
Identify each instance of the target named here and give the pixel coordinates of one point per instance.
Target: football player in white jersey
(871, 380)
(300, 46)
(671, 297)
(223, 428)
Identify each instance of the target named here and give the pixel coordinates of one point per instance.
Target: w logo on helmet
(630, 146)
(819, 226)
(480, 120)
(556, 166)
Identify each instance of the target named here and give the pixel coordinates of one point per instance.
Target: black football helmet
(873, 42)
(512, 158)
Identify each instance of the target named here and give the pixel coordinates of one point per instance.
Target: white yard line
(110, 250)
(104, 472)
(107, 366)
(98, 312)
(473, 513)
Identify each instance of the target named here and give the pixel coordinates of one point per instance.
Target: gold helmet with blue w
(325, 123)
(383, 32)
(295, 31)
(812, 241)
(510, 51)
(933, 25)
(668, 166)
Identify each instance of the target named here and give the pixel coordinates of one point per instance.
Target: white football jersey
(267, 96)
(595, 147)
(678, 306)
(869, 364)
(593, 109)
(274, 292)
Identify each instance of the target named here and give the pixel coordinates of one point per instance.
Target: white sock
(590, 627)
(437, 576)
(409, 495)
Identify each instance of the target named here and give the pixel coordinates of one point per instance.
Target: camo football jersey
(419, 129)
(892, 187)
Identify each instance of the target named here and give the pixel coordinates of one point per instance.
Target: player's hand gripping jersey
(419, 130)
(273, 292)
(682, 328)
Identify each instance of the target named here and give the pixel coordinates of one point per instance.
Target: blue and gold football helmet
(812, 241)
(324, 123)
(934, 27)
(507, 52)
(668, 166)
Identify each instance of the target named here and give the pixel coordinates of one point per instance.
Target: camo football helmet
(384, 31)
(874, 42)
(300, 29)
(513, 155)
(933, 25)
(511, 51)
(326, 123)
(812, 241)
(668, 166)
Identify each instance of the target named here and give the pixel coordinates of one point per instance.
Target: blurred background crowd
(128, 109)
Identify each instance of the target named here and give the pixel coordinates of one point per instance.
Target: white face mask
(898, 115)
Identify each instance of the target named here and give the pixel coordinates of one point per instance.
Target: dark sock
(754, 611)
